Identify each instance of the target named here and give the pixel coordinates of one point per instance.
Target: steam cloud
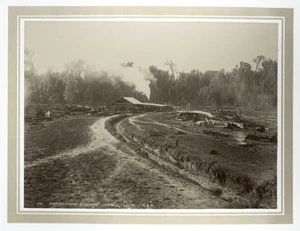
(140, 77)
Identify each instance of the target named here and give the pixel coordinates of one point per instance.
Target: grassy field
(249, 169)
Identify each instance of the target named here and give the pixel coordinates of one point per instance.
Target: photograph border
(14, 215)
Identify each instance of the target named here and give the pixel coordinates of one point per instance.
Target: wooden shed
(132, 104)
(126, 104)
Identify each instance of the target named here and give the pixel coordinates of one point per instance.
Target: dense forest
(244, 86)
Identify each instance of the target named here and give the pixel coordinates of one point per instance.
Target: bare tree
(173, 68)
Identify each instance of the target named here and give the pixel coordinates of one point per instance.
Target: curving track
(132, 182)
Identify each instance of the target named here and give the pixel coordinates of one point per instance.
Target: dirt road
(108, 174)
(136, 121)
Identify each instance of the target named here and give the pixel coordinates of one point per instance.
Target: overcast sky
(196, 45)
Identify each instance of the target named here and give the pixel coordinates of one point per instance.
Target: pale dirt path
(152, 184)
(238, 137)
(100, 138)
(134, 120)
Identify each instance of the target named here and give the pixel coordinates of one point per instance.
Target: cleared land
(47, 138)
(242, 160)
(92, 169)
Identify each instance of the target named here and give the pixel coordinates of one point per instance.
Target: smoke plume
(140, 77)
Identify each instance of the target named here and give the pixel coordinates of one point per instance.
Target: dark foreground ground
(47, 138)
(148, 161)
(234, 159)
(74, 162)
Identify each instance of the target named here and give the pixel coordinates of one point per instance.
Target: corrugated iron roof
(136, 102)
(132, 100)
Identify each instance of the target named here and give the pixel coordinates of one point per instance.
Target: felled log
(258, 137)
(213, 152)
(233, 125)
(260, 129)
(214, 133)
(273, 138)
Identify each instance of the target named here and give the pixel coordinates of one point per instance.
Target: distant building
(132, 104)
(125, 104)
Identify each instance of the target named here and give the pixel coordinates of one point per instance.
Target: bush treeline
(77, 84)
(244, 86)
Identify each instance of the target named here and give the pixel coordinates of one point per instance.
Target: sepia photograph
(150, 115)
